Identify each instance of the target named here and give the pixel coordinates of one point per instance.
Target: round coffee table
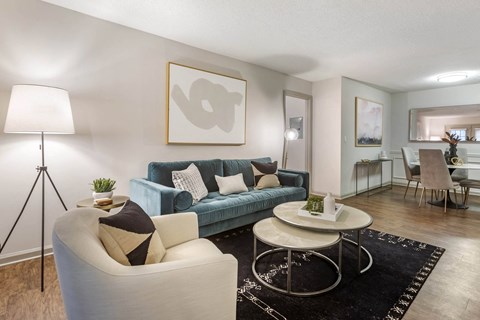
(117, 201)
(284, 237)
(351, 219)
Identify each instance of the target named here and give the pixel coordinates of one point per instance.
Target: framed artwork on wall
(205, 107)
(368, 123)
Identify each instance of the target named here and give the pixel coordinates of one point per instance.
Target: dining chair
(435, 174)
(466, 184)
(412, 171)
(460, 174)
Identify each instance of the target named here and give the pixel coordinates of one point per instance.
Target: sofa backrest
(235, 166)
(161, 172)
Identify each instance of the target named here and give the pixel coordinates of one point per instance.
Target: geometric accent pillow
(265, 174)
(231, 184)
(190, 180)
(130, 237)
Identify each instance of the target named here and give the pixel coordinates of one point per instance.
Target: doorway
(298, 115)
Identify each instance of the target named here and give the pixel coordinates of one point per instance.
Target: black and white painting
(205, 107)
(368, 123)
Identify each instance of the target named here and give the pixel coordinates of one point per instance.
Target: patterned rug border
(396, 312)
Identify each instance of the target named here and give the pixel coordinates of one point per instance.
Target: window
(477, 134)
(460, 132)
(465, 131)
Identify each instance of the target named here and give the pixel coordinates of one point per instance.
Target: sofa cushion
(161, 172)
(231, 184)
(190, 180)
(130, 236)
(265, 174)
(235, 166)
(216, 207)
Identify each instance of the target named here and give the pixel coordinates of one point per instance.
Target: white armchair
(193, 281)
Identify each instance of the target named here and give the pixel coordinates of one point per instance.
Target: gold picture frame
(368, 123)
(205, 107)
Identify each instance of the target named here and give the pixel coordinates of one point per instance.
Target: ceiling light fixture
(452, 77)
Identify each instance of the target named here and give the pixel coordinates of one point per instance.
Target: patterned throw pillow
(231, 184)
(190, 180)
(130, 237)
(265, 174)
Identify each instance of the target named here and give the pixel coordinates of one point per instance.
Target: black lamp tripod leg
(55, 188)
(42, 170)
(21, 212)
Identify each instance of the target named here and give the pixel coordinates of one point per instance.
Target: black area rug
(400, 268)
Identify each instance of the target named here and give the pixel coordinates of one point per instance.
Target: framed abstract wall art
(368, 123)
(205, 107)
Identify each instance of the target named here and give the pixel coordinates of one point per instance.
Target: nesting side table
(284, 237)
(118, 201)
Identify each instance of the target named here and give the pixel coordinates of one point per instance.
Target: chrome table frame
(358, 229)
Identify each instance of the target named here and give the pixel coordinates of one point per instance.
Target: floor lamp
(290, 134)
(41, 110)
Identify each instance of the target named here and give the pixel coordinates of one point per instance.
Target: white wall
(326, 137)
(334, 151)
(116, 77)
(352, 154)
(403, 102)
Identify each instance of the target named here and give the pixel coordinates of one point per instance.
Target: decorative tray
(320, 215)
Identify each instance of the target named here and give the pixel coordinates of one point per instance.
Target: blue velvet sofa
(157, 195)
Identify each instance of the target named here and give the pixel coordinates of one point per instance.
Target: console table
(369, 164)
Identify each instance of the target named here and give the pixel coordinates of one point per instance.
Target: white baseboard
(19, 256)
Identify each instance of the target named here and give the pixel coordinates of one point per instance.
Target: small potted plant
(103, 188)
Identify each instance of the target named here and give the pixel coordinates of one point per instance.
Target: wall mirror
(297, 153)
(430, 124)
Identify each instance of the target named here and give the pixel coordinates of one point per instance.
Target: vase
(99, 195)
(329, 204)
(452, 152)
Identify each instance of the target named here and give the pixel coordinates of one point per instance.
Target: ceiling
(394, 45)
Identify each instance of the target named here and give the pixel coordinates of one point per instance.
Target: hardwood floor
(451, 292)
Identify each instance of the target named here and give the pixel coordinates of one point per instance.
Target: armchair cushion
(130, 237)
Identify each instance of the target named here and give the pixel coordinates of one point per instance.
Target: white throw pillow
(190, 180)
(231, 184)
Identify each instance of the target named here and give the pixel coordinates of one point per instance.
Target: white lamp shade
(36, 109)
(291, 134)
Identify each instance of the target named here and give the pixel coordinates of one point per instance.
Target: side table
(284, 237)
(370, 164)
(118, 201)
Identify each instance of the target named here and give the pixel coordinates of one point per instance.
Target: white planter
(99, 195)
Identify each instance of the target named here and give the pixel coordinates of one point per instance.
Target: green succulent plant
(314, 204)
(103, 185)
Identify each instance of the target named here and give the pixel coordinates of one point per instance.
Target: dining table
(451, 167)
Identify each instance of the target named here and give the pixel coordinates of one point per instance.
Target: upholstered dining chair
(466, 184)
(460, 174)
(435, 174)
(412, 171)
